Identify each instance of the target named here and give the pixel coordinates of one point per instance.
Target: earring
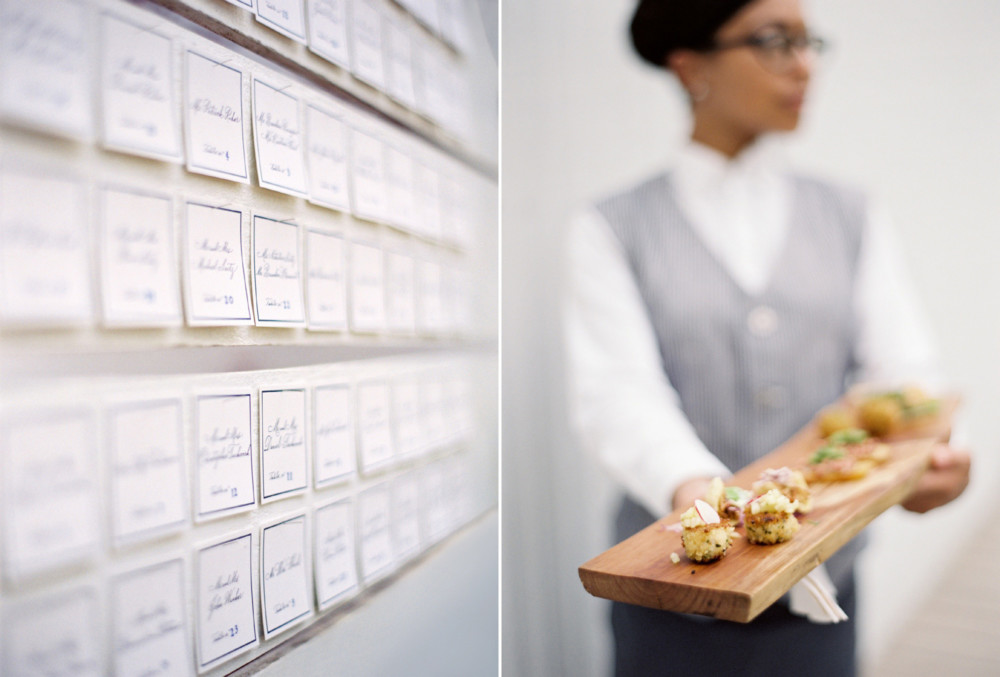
(700, 93)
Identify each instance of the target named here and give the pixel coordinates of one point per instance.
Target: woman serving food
(717, 306)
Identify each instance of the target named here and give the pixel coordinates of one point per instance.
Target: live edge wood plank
(751, 577)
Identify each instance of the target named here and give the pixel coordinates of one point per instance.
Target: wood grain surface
(749, 578)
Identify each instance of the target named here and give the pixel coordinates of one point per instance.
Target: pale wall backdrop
(907, 104)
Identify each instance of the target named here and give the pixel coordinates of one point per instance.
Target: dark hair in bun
(661, 26)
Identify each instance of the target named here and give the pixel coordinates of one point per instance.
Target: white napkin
(815, 597)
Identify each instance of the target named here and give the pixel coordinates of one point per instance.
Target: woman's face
(759, 88)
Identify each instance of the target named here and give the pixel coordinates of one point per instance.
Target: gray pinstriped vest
(750, 370)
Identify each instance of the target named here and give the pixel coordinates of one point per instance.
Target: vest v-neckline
(773, 275)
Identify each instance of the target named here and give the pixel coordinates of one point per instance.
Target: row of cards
(156, 89)
(245, 587)
(49, 50)
(366, 36)
(299, 276)
(144, 468)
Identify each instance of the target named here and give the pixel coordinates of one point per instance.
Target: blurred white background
(906, 104)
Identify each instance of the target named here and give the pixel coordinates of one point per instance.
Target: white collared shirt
(622, 406)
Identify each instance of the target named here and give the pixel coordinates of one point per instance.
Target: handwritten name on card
(405, 517)
(399, 66)
(400, 293)
(137, 90)
(225, 459)
(139, 280)
(336, 569)
(283, 453)
(373, 426)
(278, 139)
(367, 288)
(285, 16)
(327, 281)
(375, 533)
(285, 581)
(215, 272)
(406, 417)
(366, 43)
(368, 167)
(326, 152)
(43, 250)
(214, 116)
(146, 445)
(44, 66)
(149, 615)
(224, 601)
(277, 273)
(328, 30)
(54, 635)
(334, 430)
(50, 501)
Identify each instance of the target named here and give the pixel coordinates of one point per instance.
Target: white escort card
(277, 273)
(374, 434)
(44, 250)
(215, 119)
(278, 138)
(224, 475)
(333, 426)
(399, 65)
(434, 518)
(149, 621)
(406, 417)
(368, 177)
(367, 288)
(287, 17)
(139, 282)
(326, 290)
(50, 491)
(56, 635)
(215, 274)
(365, 33)
(285, 581)
(45, 66)
(326, 153)
(336, 572)
(224, 601)
(148, 487)
(426, 190)
(328, 30)
(400, 202)
(283, 455)
(137, 91)
(432, 411)
(374, 533)
(400, 294)
(245, 4)
(406, 517)
(430, 308)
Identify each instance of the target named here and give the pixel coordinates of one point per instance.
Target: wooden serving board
(749, 578)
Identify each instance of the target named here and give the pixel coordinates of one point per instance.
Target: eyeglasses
(776, 50)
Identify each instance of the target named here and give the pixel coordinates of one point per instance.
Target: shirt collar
(699, 166)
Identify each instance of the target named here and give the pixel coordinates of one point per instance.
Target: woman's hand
(943, 482)
(685, 493)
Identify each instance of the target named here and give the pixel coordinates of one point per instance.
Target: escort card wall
(248, 301)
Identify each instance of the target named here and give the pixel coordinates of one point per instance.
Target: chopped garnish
(825, 454)
(848, 436)
(706, 512)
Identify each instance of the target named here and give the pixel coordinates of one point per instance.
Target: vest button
(762, 321)
(771, 397)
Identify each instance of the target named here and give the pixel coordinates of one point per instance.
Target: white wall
(905, 105)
